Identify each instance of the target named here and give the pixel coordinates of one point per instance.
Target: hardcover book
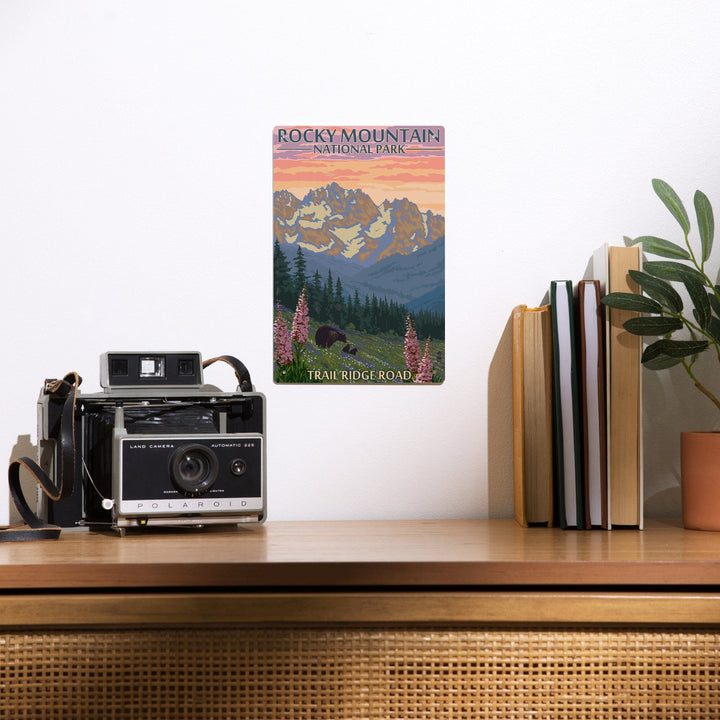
(359, 254)
(567, 419)
(592, 373)
(532, 382)
(623, 386)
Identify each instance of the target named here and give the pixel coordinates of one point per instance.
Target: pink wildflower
(281, 340)
(412, 347)
(425, 370)
(300, 321)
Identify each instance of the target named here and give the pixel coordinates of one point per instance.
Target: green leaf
(673, 203)
(714, 303)
(631, 301)
(714, 329)
(673, 349)
(699, 297)
(658, 290)
(663, 248)
(652, 325)
(706, 222)
(661, 362)
(669, 270)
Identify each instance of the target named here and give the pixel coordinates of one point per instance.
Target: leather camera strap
(241, 372)
(34, 528)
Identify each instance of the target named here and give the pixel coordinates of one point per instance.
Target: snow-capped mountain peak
(341, 222)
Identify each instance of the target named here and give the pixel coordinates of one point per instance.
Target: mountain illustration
(337, 222)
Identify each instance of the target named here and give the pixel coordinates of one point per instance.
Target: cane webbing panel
(383, 673)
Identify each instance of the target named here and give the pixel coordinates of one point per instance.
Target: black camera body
(157, 446)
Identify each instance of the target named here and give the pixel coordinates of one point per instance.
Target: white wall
(135, 205)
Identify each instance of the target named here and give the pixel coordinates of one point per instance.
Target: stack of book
(577, 403)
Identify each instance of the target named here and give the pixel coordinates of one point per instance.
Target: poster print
(359, 254)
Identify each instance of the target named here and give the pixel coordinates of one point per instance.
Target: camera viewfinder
(186, 367)
(119, 367)
(153, 367)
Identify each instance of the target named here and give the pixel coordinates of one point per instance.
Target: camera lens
(193, 469)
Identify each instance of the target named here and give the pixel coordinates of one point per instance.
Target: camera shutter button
(238, 467)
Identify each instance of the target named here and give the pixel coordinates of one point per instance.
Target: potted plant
(665, 316)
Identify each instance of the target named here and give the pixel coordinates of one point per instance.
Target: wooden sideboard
(366, 619)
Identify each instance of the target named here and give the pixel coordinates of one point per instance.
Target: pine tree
(356, 315)
(339, 304)
(367, 315)
(315, 295)
(284, 290)
(350, 318)
(300, 278)
(374, 314)
(328, 296)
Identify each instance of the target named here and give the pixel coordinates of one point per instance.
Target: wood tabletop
(406, 554)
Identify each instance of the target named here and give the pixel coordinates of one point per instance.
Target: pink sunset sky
(417, 174)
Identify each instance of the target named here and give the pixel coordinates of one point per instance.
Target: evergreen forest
(329, 303)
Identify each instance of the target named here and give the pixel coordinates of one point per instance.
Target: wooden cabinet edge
(348, 608)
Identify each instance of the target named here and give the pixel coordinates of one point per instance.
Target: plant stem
(708, 394)
(700, 386)
(692, 254)
(693, 328)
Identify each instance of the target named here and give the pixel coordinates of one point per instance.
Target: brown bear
(326, 335)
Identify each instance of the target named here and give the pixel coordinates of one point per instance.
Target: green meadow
(378, 359)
